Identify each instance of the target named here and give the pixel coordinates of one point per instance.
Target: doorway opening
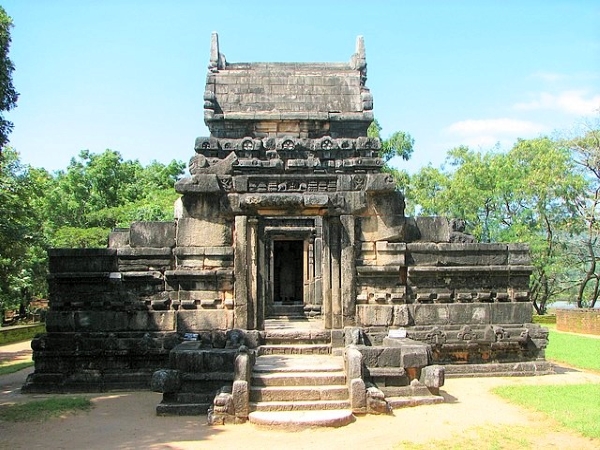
(288, 277)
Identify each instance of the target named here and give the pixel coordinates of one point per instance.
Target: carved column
(240, 267)
(253, 315)
(348, 269)
(336, 299)
(326, 267)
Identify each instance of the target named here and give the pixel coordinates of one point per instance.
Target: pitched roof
(279, 91)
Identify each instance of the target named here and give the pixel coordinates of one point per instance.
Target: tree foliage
(75, 207)
(21, 261)
(543, 191)
(8, 94)
(399, 144)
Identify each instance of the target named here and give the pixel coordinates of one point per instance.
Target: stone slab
(152, 234)
(295, 419)
(203, 233)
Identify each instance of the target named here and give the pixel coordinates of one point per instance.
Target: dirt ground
(127, 420)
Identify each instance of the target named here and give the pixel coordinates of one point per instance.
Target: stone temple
(289, 241)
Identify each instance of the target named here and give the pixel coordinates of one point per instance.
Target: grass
(575, 350)
(40, 410)
(12, 367)
(576, 407)
(477, 438)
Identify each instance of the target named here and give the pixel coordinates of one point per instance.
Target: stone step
(298, 363)
(415, 400)
(296, 419)
(310, 405)
(298, 393)
(299, 379)
(291, 336)
(294, 349)
(182, 409)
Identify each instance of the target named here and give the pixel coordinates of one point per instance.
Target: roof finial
(217, 59)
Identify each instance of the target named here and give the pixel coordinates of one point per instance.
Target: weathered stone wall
(585, 321)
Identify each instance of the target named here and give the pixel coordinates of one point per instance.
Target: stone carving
(436, 337)
(200, 165)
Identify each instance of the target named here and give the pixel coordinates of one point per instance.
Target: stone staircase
(299, 389)
(284, 337)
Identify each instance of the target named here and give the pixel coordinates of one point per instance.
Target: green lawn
(39, 410)
(574, 350)
(576, 406)
(13, 367)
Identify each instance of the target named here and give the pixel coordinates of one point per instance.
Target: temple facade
(287, 214)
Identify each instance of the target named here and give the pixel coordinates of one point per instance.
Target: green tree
(584, 245)
(8, 94)
(98, 192)
(524, 195)
(21, 257)
(399, 144)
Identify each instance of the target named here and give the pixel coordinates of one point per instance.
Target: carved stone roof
(287, 91)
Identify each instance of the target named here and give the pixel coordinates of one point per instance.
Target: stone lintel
(198, 273)
(422, 271)
(143, 251)
(378, 270)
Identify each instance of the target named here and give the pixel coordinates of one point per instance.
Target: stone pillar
(326, 267)
(336, 299)
(240, 267)
(262, 279)
(253, 315)
(348, 269)
(318, 263)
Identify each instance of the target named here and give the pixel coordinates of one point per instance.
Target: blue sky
(129, 75)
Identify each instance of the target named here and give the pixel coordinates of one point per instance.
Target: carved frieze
(288, 153)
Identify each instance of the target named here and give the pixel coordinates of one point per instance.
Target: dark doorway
(288, 276)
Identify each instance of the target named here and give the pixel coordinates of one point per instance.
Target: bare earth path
(128, 421)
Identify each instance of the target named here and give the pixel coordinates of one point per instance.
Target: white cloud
(549, 77)
(490, 128)
(571, 102)
(486, 133)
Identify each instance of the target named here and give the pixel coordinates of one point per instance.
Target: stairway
(293, 337)
(299, 389)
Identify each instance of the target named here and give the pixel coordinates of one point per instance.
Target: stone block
(358, 396)
(473, 254)
(474, 313)
(187, 357)
(390, 253)
(208, 206)
(402, 316)
(389, 357)
(166, 381)
(201, 183)
(511, 313)
(353, 363)
(423, 254)
(519, 255)
(433, 229)
(240, 394)
(374, 315)
(203, 233)
(412, 353)
(152, 234)
(199, 320)
(427, 314)
(433, 376)
(83, 260)
(118, 237)
(151, 321)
